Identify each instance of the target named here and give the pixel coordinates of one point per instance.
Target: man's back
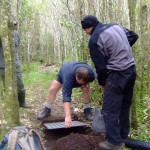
(113, 43)
(69, 69)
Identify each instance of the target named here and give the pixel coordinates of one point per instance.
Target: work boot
(21, 100)
(88, 113)
(108, 146)
(45, 113)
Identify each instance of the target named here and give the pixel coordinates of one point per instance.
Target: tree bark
(10, 112)
(132, 8)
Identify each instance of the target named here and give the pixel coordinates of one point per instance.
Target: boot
(45, 113)
(108, 146)
(88, 113)
(21, 100)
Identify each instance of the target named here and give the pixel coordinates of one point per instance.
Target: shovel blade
(98, 124)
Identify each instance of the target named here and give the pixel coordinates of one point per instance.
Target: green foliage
(29, 9)
(142, 133)
(67, 24)
(96, 93)
(76, 93)
(68, 59)
(143, 114)
(35, 77)
(32, 67)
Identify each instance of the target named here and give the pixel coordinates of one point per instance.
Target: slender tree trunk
(144, 48)
(132, 8)
(9, 110)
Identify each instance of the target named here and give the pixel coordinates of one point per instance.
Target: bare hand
(68, 121)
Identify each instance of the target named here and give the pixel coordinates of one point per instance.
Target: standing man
(71, 75)
(20, 85)
(111, 53)
(2, 66)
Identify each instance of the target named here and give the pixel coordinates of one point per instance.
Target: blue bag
(22, 138)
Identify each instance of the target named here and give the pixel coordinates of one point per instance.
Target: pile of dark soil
(76, 138)
(74, 142)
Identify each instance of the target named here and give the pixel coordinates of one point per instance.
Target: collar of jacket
(98, 23)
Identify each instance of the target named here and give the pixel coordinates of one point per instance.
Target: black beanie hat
(89, 21)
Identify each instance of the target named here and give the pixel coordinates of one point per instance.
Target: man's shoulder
(100, 28)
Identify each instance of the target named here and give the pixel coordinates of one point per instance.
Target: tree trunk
(10, 113)
(132, 8)
(144, 49)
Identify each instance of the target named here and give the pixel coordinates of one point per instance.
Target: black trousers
(117, 99)
(20, 85)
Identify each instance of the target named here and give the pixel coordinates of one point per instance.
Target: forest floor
(81, 138)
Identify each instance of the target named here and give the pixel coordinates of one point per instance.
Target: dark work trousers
(118, 93)
(2, 76)
(20, 84)
(2, 80)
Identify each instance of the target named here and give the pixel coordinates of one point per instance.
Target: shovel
(98, 124)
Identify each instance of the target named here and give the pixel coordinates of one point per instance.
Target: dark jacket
(110, 49)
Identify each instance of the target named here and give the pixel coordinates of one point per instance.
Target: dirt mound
(74, 142)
